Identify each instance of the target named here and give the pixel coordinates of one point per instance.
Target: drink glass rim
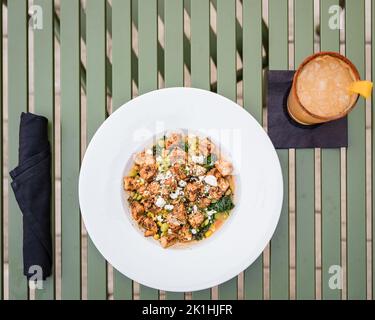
(298, 71)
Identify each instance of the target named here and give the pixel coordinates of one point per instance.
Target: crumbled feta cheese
(159, 218)
(167, 175)
(173, 195)
(163, 176)
(182, 183)
(148, 151)
(169, 207)
(211, 180)
(193, 231)
(198, 170)
(201, 178)
(160, 202)
(195, 208)
(210, 212)
(198, 159)
(169, 231)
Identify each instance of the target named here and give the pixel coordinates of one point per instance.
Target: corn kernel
(208, 233)
(133, 172)
(164, 227)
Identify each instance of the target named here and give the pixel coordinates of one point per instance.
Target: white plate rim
(241, 265)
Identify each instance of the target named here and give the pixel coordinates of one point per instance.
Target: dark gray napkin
(32, 188)
(285, 132)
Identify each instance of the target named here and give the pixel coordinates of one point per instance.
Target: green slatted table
(92, 57)
(279, 248)
(356, 161)
(331, 179)
(305, 206)
(44, 98)
(96, 113)
(18, 102)
(70, 127)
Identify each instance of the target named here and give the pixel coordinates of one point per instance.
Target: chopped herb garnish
(200, 233)
(224, 204)
(210, 160)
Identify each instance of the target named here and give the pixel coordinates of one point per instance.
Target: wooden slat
(226, 80)
(305, 204)
(253, 101)
(44, 105)
(278, 60)
(174, 61)
(174, 32)
(96, 113)
(200, 50)
(70, 150)
(1, 162)
(147, 71)
(17, 103)
(121, 93)
(200, 65)
(373, 145)
(330, 178)
(356, 159)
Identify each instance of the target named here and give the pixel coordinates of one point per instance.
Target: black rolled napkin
(32, 188)
(286, 133)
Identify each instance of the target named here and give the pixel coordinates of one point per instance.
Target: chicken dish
(180, 189)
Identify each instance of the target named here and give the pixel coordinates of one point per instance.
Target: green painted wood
(1, 161)
(160, 49)
(96, 113)
(70, 149)
(121, 52)
(147, 50)
(200, 65)
(279, 247)
(226, 80)
(330, 177)
(17, 103)
(252, 58)
(44, 105)
(122, 92)
(253, 102)
(356, 159)
(147, 71)
(373, 147)
(174, 61)
(200, 50)
(305, 202)
(174, 33)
